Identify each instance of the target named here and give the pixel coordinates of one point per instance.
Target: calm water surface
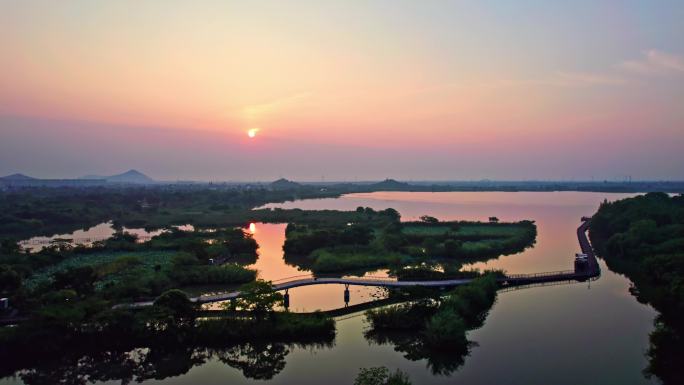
(584, 333)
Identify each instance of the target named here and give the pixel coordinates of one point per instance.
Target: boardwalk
(589, 271)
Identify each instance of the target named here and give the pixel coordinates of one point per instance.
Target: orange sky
(429, 77)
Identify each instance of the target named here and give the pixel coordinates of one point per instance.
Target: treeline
(225, 244)
(35, 211)
(348, 243)
(643, 238)
(304, 239)
(340, 228)
(47, 211)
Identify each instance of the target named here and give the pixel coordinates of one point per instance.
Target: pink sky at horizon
(343, 90)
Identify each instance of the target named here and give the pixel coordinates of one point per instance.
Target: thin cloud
(585, 79)
(257, 110)
(558, 79)
(562, 79)
(654, 62)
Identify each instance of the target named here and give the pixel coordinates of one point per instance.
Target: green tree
(429, 219)
(431, 246)
(356, 235)
(183, 260)
(393, 241)
(259, 297)
(81, 279)
(392, 214)
(446, 330)
(173, 309)
(178, 302)
(452, 247)
(9, 246)
(10, 280)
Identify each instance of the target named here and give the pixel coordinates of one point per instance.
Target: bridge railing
(290, 278)
(543, 274)
(371, 277)
(313, 276)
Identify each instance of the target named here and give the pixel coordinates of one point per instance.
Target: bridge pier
(346, 295)
(286, 300)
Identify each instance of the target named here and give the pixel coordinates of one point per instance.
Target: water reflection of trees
(413, 347)
(666, 351)
(258, 361)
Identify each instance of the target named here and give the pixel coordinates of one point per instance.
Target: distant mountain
(284, 184)
(16, 178)
(390, 184)
(21, 180)
(130, 176)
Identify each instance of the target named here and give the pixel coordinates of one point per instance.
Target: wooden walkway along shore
(588, 271)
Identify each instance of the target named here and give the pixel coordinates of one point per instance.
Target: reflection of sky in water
(96, 233)
(271, 266)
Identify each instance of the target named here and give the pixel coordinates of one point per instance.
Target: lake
(592, 332)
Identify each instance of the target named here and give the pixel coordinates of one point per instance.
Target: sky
(343, 90)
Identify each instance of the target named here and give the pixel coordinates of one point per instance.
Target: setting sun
(252, 132)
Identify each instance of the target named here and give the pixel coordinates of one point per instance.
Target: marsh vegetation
(379, 240)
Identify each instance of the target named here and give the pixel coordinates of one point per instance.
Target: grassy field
(502, 230)
(426, 230)
(109, 265)
(464, 230)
